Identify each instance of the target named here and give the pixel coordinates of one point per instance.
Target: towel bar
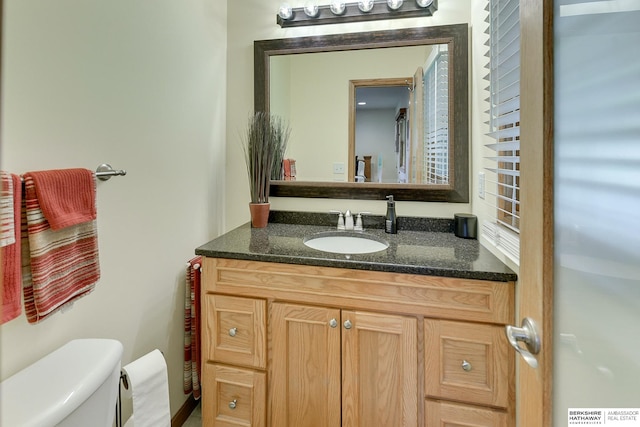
(104, 172)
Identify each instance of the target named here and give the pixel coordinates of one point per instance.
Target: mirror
(316, 58)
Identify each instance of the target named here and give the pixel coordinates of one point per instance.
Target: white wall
(140, 85)
(251, 20)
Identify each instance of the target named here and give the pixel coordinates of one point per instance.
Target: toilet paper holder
(123, 376)
(125, 383)
(124, 380)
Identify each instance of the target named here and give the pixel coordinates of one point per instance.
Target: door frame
(535, 281)
(353, 85)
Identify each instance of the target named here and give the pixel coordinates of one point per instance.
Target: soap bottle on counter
(390, 224)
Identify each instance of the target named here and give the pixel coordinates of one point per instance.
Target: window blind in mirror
(436, 117)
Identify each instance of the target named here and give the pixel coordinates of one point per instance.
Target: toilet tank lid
(54, 386)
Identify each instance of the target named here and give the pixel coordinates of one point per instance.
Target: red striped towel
(192, 328)
(11, 292)
(58, 266)
(7, 208)
(66, 196)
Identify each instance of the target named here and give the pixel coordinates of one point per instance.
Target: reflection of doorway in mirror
(376, 132)
(416, 111)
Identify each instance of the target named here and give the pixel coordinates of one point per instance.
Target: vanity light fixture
(337, 7)
(311, 9)
(365, 5)
(338, 12)
(285, 12)
(394, 4)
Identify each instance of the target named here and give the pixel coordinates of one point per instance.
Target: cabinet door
(305, 373)
(379, 368)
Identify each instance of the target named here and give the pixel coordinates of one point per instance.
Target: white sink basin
(345, 243)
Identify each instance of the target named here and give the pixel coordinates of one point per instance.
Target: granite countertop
(420, 247)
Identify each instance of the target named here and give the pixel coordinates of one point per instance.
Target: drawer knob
(466, 366)
(347, 324)
(233, 404)
(333, 323)
(233, 332)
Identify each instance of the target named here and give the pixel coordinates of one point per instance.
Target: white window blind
(436, 117)
(503, 162)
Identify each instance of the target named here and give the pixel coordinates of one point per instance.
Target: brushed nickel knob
(333, 323)
(466, 366)
(347, 324)
(233, 332)
(233, 404)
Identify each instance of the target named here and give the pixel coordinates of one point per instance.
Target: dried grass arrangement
(264, 144)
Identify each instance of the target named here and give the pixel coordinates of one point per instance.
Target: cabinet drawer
(234, 397)
(236, 328)
(450, 414)
(468, 362)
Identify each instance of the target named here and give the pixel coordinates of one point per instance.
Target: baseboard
(183, 413)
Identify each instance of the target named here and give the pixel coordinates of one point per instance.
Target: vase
(259, 214)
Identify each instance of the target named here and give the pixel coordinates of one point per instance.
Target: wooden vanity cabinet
(336, 367)
(304, 346)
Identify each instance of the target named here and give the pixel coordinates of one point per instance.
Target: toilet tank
(76, 385)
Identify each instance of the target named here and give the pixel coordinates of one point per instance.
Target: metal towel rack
(104, 172)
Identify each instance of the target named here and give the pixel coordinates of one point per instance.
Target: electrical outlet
(481, 185)
(338, 168)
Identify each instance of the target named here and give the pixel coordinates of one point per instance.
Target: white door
(580, 228)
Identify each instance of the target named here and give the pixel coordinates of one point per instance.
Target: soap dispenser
(390, 224)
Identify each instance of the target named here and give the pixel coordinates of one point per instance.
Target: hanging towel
(11, 292)
(192, 328)
(66, 196)
(58, 265)
(7, 208)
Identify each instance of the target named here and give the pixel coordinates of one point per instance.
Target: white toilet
(75, 386)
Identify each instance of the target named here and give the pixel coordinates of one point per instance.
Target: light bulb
(365, 5)
(311, 9)
(337, 7)
(424, 3)
(285, 12)
(394, 4)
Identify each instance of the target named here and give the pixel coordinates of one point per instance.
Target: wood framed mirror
(455, 40)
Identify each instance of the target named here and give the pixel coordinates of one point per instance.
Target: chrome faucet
(348, 220)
